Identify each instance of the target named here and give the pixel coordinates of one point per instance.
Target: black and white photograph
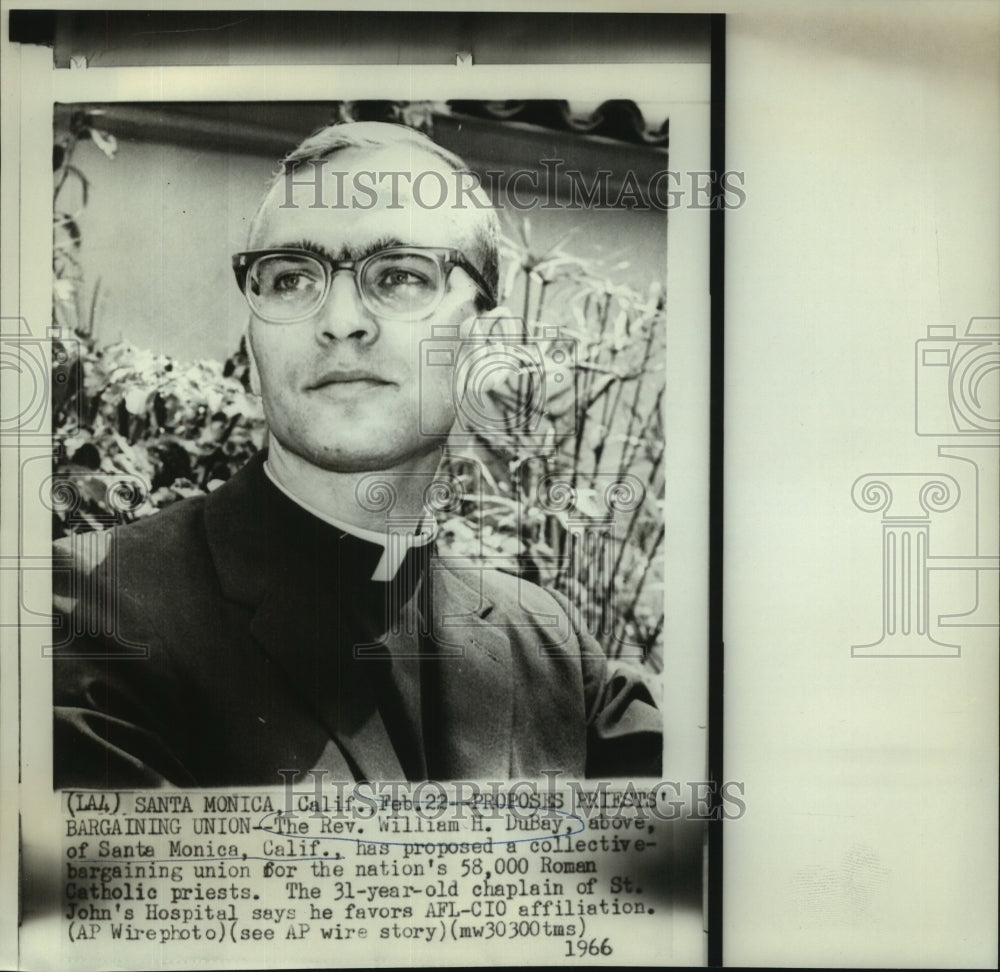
(424, 466)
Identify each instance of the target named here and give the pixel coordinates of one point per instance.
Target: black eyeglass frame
(447, 259)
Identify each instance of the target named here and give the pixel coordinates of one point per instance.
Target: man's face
(343, 389)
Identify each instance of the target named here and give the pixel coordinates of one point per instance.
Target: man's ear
(500, 322)
(479, 368)
(254, 373)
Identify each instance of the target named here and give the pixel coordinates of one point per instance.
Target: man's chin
(373, 455)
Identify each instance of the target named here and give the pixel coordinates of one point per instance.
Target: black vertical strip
(716, 648)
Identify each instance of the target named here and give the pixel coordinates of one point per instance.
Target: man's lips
(346, 377)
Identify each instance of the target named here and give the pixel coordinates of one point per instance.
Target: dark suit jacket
(214, 644)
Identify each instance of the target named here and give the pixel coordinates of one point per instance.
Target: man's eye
(292, 281)
(400, 277)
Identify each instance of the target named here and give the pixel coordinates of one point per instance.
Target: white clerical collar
(393, 554)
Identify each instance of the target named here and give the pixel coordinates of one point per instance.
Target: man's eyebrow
(347, 252)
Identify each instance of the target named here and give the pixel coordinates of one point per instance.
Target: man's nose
(343, 315)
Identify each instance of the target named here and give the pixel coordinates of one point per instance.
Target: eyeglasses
(285, 286)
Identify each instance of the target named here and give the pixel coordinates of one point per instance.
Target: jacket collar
(319, 618)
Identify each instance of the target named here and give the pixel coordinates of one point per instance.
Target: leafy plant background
(182, 428)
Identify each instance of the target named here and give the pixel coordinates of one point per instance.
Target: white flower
(136, 399)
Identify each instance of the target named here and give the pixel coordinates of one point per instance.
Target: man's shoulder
(501, 588)
(157, 540)
(524, 611)
(151, 573)
(180, 531)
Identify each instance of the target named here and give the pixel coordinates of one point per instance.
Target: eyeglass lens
(285, 287)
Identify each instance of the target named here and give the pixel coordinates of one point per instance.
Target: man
(275, 624)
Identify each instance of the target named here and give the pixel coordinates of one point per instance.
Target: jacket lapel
(316, 655)
(475, 678)
(307, 615)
